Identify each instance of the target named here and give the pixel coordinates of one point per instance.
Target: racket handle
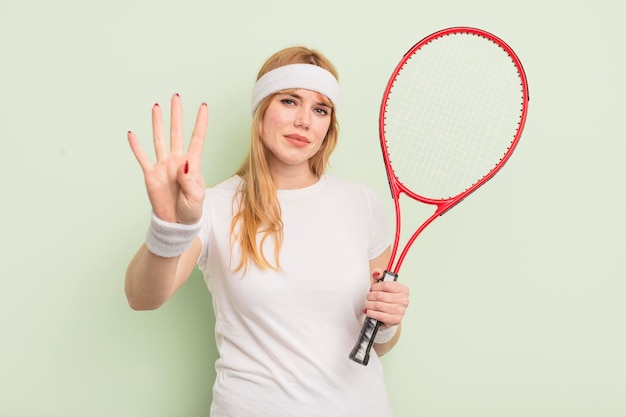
(361, 351)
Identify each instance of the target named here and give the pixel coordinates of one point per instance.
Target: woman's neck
(292, 178)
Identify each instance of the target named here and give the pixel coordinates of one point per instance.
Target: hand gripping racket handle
(361, 351)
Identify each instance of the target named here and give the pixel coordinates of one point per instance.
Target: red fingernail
(186, 167)
(177, 95)
(204, 104)
(156, 104)
(365, 311)
(376, 274)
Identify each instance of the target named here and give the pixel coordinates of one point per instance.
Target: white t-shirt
(284, 337)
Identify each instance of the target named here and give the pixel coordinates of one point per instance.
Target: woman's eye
(321, 112)
(287, 101)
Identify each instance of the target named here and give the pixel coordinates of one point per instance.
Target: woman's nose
(303, 119)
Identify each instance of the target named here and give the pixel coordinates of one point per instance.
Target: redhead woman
(290, 254)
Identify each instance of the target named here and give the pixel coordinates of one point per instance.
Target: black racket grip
(361, 351)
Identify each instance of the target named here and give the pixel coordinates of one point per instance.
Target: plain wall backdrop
(516, 295)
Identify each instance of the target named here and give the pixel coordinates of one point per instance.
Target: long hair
(258, 210)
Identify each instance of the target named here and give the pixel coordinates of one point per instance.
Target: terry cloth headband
(307, 76)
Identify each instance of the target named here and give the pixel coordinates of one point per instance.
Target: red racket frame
(443, 205)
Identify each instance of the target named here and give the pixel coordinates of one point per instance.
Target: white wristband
(170, 239)
(385, 335)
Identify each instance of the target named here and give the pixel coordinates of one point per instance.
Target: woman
(290, 254)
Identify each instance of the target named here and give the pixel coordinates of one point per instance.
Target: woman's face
(294, 127)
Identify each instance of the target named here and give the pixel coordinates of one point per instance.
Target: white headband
(307, 76)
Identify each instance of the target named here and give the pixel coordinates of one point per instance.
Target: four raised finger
(176, 134)
(199, 133)
(158, 134)
(176, 126)
(139, 153)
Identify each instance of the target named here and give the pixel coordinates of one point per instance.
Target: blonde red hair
(258, 216)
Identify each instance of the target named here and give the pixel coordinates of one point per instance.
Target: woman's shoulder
(229, 185)
(222, 192)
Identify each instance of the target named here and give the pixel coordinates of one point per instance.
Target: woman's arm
(176, 190)
(151, 279)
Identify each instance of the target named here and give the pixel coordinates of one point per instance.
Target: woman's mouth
(297, 140)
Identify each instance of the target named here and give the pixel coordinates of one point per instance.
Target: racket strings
(451, 114)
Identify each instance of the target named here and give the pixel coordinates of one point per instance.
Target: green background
(516, 295)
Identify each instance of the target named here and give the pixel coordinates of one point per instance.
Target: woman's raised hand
(174, 183)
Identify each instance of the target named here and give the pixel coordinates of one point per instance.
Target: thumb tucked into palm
(191, 195)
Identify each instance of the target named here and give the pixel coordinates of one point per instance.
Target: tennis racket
(451, 116)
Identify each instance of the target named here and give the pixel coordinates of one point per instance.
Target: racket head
(452, 113)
